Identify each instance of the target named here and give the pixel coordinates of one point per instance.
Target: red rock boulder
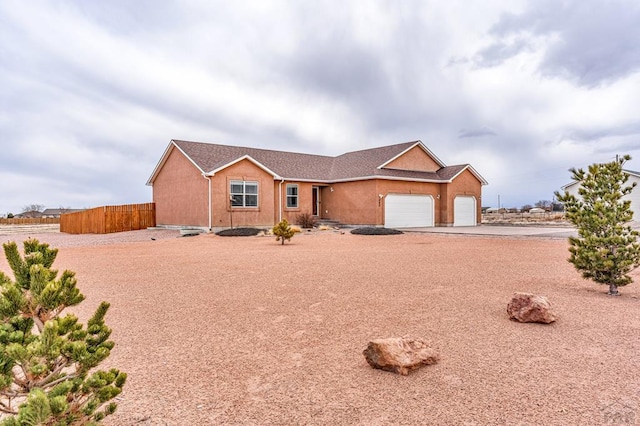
(399, 354)
(527, 307)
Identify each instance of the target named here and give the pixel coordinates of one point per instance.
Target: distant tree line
(546, 205)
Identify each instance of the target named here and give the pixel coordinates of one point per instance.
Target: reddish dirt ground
(215, 330)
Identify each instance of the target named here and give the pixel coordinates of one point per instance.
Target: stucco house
(404, 185)
(29, 214)
(634, 196)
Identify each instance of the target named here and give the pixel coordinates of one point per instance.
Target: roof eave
(408, 179)
(359, 178)
(294, 179)
(473, 172)
(172, 145)
(631, 172)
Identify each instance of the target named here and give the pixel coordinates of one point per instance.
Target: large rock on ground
(399, 354)
(527, 307)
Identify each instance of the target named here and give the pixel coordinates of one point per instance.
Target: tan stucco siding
(352, 203)
(414, 159)
(359, 203)
(180, 193)
(444, 209)
(223, 214)
(464, 184)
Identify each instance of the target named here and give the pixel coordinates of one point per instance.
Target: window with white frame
(292, 195)
(244, 193)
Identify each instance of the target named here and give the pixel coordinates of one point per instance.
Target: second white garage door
(464, 211)
(408, 211)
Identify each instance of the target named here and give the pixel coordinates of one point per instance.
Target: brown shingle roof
(365, 162)
(210, 157)
(353, 165)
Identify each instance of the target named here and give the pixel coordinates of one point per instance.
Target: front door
(315, 201)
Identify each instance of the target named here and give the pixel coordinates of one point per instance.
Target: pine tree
(47, 361)
(283, 231)
(606, 248)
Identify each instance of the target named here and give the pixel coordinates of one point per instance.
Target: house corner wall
(180, 193)
(465, 184)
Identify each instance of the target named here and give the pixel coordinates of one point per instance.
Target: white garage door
(408, 211)
(464, 211)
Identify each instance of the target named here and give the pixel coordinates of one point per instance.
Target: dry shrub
(306, 220)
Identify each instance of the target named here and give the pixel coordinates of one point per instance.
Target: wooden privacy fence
(108, 219)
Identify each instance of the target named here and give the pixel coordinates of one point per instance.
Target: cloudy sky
(92, 92)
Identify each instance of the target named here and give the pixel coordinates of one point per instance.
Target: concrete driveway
(502, 230)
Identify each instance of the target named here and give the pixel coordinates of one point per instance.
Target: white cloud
(94, 91)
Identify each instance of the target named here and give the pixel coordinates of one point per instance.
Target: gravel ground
(215, 330)
(51, 234)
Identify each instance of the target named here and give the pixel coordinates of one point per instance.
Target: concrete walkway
(502, 230)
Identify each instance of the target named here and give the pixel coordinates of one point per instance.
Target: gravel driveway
(217, 330)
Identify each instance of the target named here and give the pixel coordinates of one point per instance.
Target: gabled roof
(209, 159)
(419, 144)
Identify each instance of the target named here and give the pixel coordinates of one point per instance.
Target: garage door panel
(407, 211)
(464, 211)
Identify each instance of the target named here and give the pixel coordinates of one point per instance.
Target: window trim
(244, 193)
(296, 196)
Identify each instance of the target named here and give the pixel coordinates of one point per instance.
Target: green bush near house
(283, 231)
